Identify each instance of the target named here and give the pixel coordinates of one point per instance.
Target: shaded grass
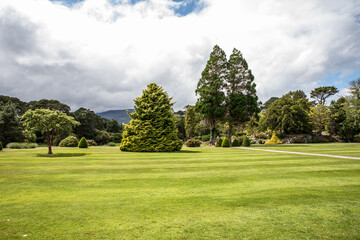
(102, 193)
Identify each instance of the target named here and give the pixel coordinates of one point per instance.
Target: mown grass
(203, 193)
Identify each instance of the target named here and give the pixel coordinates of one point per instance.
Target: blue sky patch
(185, 6)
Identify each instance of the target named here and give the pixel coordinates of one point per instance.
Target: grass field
(204, 193)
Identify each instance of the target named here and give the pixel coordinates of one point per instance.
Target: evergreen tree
(241, 99)
(322, 93)
(152, 127)
(210, 103)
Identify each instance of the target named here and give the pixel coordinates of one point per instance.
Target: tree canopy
(320, 94)
(49, 122)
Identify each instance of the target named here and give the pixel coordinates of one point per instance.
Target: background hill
(119, 115)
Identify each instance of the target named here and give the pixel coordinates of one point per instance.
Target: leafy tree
(210, 103)
(19, 105)
(152, 127)
(320, 117)
(288, 115)
(10, 126)
(298, 94)
(355, 88)
(89, 123)
(337, 115)
(1, 146)
(241, 99)
(102, 137)
(49, 104)
(320, 94)
(180, 124)
(49, 122)
(192, 118)
(268, 103)
(112, 126)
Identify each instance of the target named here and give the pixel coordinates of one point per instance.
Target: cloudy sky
(100, 54)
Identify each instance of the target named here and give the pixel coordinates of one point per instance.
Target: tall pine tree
(210, 103)
(241, 98)
(152, 127)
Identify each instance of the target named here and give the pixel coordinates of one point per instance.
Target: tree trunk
(50, 150)
(230, 133)
(212, 136)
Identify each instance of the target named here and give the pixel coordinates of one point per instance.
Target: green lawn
(204, 193)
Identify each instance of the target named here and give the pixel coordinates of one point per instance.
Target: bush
(116, 137)
(17, 145)
(225, 142)
(91, 142)
(111, 144)
(205, 138)
(1, 147)
(102, 137)
(218, 143)
(274, 140)
(235, 143)
(83, 143)
(70, 141)
(261, 141)
(193, 143)
(246, 142)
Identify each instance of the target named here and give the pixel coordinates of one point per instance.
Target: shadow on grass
(55, 155)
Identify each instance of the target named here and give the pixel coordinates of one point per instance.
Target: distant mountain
(119, 115)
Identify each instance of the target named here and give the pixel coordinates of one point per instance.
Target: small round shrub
(235, 143)
(1, 147)
(102, 137)
(261, 141)
(274, 140)
(218, 143)
(70, 141)
(83, 143)
(193, 143)
(225, 142)
(91, 142)
(246, 142)
(111, 144)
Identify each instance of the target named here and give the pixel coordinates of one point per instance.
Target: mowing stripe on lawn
(302, 153)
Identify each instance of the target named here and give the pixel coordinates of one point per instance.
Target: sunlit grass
(202, 193)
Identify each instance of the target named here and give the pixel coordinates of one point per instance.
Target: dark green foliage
(116, 137)
(1, 146)
(90, 123)
(152, 127)
(19, 145)
(113, 126)
(288, 115)
(102, 137)
(192, 118)
(246, 142)
(19, 105)
(10, 127)
(261, 141)
(91, 142)
(210, 103)
(83, 143)
(218, 143)
(267, 104)
(49, 104)
(193, 143)
(70, 141)
(322, 93)
(111, 144)
(236, 143)
(241, 99)
(225, 142)
(180, 124)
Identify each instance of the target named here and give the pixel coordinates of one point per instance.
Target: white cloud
(101, 56)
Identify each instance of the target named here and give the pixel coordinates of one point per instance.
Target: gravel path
(302, 153)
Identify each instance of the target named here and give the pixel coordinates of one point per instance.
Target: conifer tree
(83, 143)
(191, 119)
(210, 103)
(152, 127)
(241, 98)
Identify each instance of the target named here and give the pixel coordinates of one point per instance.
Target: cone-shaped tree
(152, 127)
(83, 143)
(241, 98)
(210, 103)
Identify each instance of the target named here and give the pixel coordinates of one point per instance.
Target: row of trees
(91, 126)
